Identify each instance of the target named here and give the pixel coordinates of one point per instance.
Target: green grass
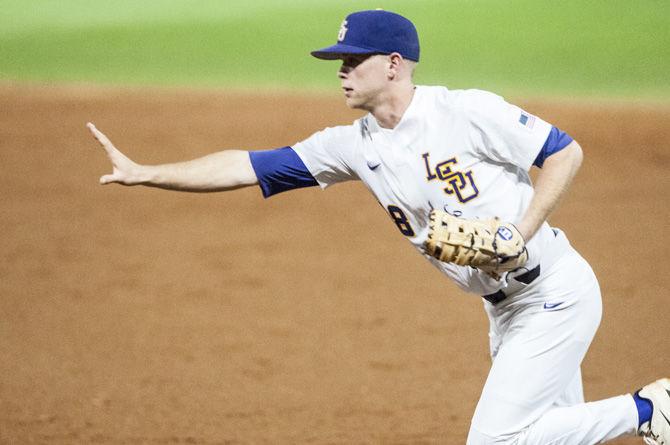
(575, 47)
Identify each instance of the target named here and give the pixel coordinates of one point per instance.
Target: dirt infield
(133, 316)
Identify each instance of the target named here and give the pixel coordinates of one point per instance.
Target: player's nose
(343, 71)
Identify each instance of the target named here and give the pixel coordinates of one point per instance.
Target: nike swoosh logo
(373, 166)
(552, 305)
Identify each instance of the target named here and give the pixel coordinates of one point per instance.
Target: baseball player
(451, 169)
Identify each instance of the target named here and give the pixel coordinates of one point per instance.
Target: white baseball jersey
(467, 152)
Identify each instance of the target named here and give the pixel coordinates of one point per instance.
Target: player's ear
(395, 62)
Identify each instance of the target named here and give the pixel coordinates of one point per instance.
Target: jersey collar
(409, 127)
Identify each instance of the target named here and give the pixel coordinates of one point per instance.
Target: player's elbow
(570, 156)
(576, 153)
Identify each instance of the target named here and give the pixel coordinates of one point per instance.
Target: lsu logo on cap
(505, 233)
(343, 31)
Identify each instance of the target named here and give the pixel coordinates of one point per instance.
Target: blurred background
(138, 316)
(521, 47)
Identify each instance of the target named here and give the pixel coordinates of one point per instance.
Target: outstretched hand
(124, 171)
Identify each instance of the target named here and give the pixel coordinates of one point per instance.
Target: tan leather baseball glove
(486, 244)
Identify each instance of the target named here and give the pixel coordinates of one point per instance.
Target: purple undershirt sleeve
(556, 141)
(280, 170)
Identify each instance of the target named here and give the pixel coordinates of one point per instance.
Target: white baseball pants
(539, 336)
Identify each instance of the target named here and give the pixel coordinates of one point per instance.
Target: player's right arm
(221, 171)
(314, 161)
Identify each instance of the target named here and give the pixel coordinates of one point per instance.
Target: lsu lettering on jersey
(465, 151)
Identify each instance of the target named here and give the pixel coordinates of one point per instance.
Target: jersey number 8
(400, 220)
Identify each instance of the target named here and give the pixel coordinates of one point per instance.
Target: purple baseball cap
(374, 32)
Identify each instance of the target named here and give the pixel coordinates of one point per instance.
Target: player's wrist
(144, 174)
(522, 232)
(526, 229)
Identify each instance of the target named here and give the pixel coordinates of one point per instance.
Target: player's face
(363, 79)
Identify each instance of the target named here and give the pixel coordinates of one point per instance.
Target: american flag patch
(527, 120)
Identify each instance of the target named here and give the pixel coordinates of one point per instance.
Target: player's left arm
(557, 172)
(507, 134)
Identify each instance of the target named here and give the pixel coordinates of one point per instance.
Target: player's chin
(353, 103)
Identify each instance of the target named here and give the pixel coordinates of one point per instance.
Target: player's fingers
(109, 179)
(99, 135)
(106, 179)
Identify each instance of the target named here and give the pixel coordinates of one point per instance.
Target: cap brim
(336, 51)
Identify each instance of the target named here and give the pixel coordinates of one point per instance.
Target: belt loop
(528, 277)
(495, 297)
(525, 278)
